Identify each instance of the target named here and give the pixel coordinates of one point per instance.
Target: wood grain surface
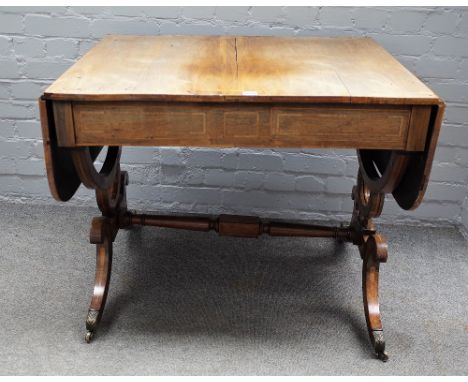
(245, 69)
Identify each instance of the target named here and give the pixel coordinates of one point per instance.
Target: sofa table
(228, 91)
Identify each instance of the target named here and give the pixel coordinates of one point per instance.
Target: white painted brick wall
(38, 43)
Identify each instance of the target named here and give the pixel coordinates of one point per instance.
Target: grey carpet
(195, 303)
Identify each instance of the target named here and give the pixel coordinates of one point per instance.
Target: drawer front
(138, 122)
(341, 127)
(239, 125)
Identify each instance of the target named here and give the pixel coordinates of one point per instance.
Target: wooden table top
(250, 69)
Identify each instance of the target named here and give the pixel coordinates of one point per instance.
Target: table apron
(241, 125)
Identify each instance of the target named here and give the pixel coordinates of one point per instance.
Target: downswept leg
(101, 235)
(373, 249)
(113, 205)
(375, 253)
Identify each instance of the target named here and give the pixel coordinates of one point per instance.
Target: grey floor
(195, 303)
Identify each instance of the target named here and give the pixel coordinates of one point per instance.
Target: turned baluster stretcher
(228, 91)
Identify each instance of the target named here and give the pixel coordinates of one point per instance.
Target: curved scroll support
(367, 205)
(375, 253)
(382, 170)
(113, 201)
(113, 204)
(102, 236)
(91, 178)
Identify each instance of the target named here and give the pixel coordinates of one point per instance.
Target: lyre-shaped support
(109, 184)
(113, 204)
(368, 204)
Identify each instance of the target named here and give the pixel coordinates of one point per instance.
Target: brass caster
(382, 356)
(379, 345)
(89, 336)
